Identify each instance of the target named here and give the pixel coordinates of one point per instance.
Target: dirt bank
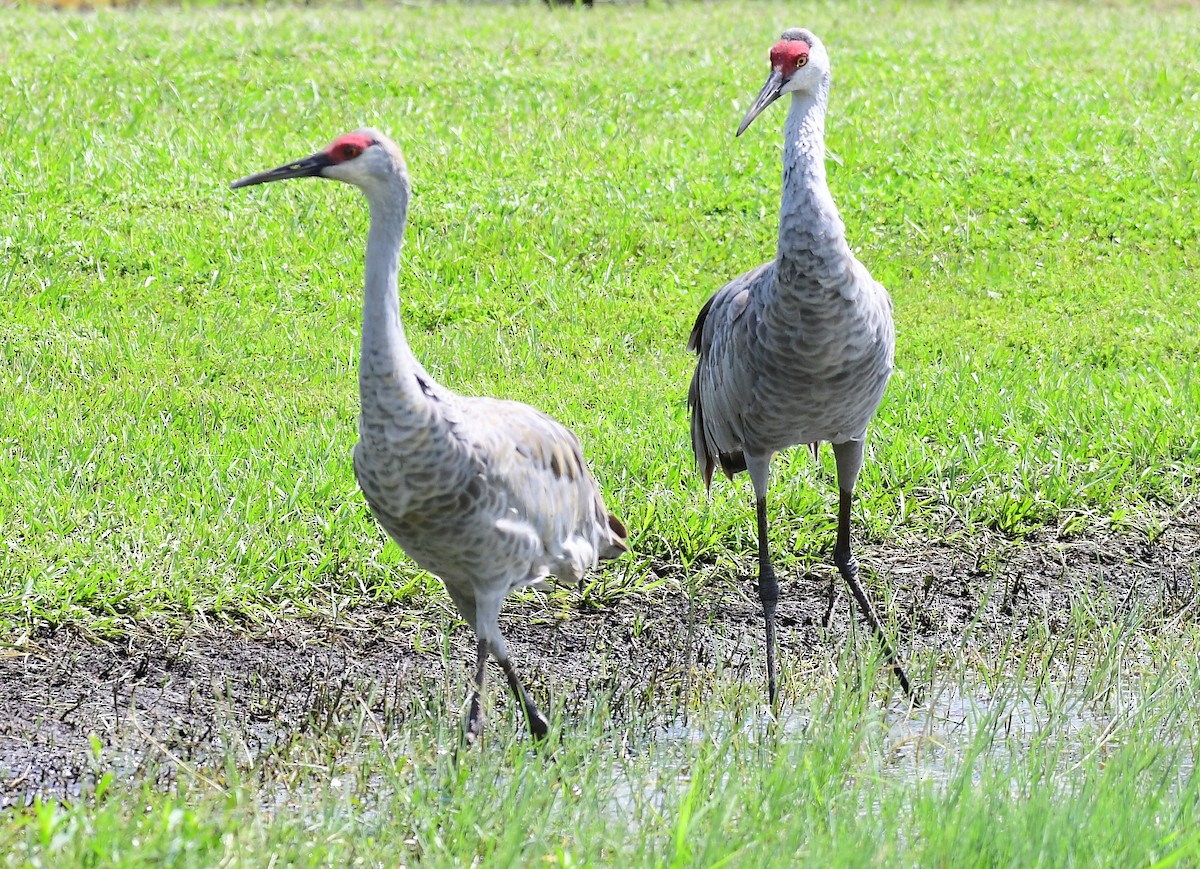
(160, 696)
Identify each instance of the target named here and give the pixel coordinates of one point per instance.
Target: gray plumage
(486, 494)
(800, 349)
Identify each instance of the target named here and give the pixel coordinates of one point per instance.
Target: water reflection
(960, 722)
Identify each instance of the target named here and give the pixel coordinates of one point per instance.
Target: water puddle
(958, 723)
(960, 729)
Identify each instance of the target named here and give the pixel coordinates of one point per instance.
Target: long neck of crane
(386, 359)
(812, 237)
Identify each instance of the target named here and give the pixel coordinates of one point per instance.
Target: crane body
(486, 494)
(800, 349)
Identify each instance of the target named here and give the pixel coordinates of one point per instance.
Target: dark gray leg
(835, 589)
(768, 586)
(768, 594)
(538, 725)
(475, 715)
(848, 568)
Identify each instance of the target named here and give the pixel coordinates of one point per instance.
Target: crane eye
(801, 60)
(351, 151)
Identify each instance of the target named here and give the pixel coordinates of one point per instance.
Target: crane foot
(539, 727)
(835, 595)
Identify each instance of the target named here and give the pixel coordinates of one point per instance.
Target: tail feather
(618, 535)
(704, 459)
(733, 463)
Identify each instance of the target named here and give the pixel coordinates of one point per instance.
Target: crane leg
(487, 628)
(538, 725)
(768, 594)
(848, 568)
(759, 467)
(475, 715)
(834, 597)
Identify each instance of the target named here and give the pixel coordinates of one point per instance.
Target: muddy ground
(161, 697)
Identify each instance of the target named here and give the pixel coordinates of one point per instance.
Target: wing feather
(535, 465)
(727, 323)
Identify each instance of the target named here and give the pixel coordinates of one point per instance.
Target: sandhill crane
(486, 494)
(798, 350)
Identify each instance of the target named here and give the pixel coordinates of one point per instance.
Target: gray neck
(386, 356)
(812, 237)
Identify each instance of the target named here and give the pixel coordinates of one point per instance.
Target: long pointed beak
(305, 168)
(770, 92)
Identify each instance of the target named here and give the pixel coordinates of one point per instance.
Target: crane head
(354, 158)
(798, 63)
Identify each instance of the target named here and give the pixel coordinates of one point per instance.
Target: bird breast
(481, 493)
(820, 369)
(442, 514)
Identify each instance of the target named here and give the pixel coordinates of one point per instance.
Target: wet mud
(162, 698)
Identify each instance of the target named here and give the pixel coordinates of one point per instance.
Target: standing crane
(486, 494)
(798, 350)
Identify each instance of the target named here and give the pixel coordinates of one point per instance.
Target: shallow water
(956, 723)
(959, 722)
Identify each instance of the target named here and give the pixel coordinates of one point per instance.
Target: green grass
(178, 360)
(177, 363)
